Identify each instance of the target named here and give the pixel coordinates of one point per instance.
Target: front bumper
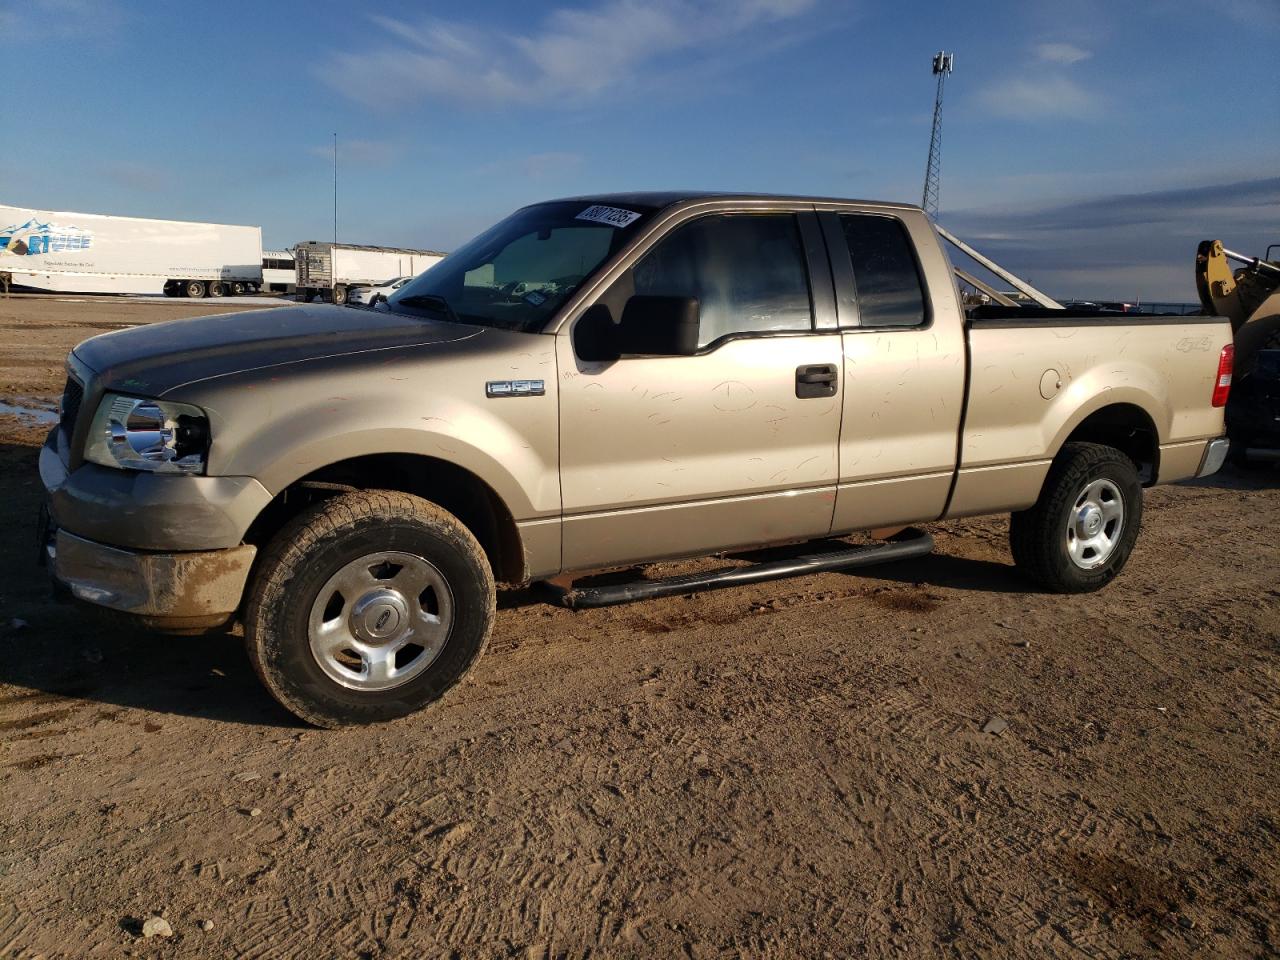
(168, 591)
(148, 511)
(166, 549)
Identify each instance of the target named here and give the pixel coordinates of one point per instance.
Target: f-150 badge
(515, 388)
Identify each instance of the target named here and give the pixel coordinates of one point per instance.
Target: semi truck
(62, 251)
(279, 271)
(328, 270)
(594, 383)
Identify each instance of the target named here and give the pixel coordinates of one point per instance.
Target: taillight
(1222, 386)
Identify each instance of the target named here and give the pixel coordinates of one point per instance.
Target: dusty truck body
(596, 383)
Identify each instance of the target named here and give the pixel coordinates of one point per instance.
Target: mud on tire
(406, 541)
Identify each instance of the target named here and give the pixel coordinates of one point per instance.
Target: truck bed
(1048, 317)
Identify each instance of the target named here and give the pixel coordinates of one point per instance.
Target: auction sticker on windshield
(613, 216)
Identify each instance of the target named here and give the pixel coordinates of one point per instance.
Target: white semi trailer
(329, 270)
(97, 253)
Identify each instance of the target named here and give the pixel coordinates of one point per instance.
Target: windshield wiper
(430, 300)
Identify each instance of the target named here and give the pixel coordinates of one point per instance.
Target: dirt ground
(794, 769)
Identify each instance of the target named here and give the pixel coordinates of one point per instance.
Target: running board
(907, 545)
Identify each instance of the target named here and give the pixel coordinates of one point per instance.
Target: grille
(72, 394)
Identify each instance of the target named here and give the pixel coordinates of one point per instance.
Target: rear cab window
(888, 288)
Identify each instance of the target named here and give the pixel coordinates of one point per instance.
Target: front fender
(282, 429)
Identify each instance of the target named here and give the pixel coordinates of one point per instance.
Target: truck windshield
(516, 274)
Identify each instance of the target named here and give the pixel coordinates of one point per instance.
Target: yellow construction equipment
(1248, 296)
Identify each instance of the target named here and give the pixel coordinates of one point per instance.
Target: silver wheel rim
(1095, 524)
(380, 621)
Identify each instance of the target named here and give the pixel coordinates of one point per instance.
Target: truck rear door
(903, 347)
(734, 446)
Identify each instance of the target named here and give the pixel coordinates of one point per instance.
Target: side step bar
(907, 545)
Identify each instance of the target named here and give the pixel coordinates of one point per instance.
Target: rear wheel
(368, 607)
(1079, 534)
(194, 289)
(216, 289)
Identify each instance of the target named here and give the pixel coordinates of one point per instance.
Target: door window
(746, 270)
(884, 270)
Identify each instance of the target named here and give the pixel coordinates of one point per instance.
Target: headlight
(156, 435)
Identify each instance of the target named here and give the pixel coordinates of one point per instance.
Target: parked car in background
(367, 296)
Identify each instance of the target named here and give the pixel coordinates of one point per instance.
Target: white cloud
(1066, 53)
(1041, 97)
(364, 153)
(1252, 13)
(61, 20)
(534, 166)
(574, 54)
(139, 176)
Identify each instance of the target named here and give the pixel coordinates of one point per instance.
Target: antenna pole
(942, 65)
(335, 189)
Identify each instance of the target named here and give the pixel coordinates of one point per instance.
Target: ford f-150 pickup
(598, 383)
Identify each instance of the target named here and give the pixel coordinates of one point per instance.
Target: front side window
(517, 274)
(884, 270)
(746, 270)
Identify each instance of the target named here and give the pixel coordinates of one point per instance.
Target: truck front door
(734, 446)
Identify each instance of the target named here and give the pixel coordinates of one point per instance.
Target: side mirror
(658, 327)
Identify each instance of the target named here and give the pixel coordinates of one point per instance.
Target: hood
(158, 357)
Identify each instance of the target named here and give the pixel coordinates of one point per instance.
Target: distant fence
(1161, 307)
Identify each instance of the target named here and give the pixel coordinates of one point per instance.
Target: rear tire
(216, 289)
(337, 587)
(194, 289)
(1079, 534)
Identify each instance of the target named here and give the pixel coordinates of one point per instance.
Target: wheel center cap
(1091, 520)
(379, 616)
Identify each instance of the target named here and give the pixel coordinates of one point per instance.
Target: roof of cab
(658, 199)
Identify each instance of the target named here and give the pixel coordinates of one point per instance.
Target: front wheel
(368, 607)
(339, 295)
(1079, 534)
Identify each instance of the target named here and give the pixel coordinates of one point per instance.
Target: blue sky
(1087, 144)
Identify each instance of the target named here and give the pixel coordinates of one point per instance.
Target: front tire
(1079, 534)
(368, 607)
(339, 295)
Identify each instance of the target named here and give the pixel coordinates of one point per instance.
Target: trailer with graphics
(62, 251)
(328, 270)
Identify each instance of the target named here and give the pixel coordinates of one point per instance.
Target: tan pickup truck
(596, 383)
